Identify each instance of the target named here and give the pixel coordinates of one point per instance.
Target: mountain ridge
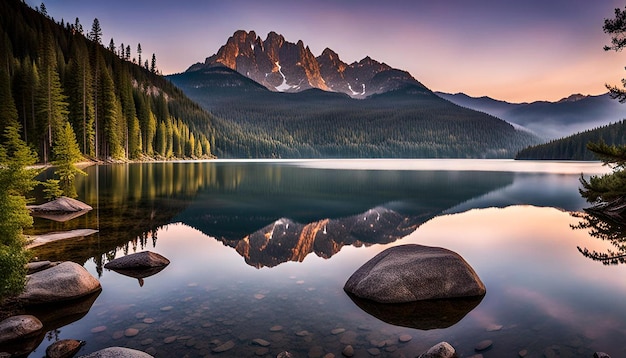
(283, 66)
(551, 120)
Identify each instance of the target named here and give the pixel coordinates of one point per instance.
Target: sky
(518, 51)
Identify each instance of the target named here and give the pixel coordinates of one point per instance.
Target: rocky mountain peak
(283, 66)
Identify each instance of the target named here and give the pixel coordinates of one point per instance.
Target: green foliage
(52, 189)
(67, 154)
(616, 27)
(575, 147)
(15, 182)
(411, 122)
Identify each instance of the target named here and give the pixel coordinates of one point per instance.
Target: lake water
(262, 249)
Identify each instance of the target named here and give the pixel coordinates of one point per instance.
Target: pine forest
(57, 73)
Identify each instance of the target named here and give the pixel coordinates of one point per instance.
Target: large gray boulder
(66, 281)
(117, 352)
(19, 327)
(140, 260)
(410, 273)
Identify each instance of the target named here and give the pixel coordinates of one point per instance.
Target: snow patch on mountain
(283, 86)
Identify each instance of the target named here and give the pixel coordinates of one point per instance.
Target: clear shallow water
(513, 226)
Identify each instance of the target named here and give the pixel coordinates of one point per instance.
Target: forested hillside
(408, 122)
(52, 73)
(575, 147)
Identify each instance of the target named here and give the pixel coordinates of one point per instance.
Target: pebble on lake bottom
(117, 334)
(224, 347)
(405, 338)
(523, 353)
(131, 332)
(483, 345)
(166, 308)
(261, 351)
(148, 320)
(170, 339)
(98, 329)
(348, 351)
(337, 331)
(374, 351)
(276, 328)
(493, 327)
(261, 342)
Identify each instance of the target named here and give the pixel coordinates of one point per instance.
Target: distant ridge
(550, 120)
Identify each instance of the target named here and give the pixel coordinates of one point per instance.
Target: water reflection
(423, 315)
(606, 228)
(542, 292)
(269, 213)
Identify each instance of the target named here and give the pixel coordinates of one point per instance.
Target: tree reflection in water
(607, 228)
(606, 218)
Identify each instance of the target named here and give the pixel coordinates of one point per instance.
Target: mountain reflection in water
(270, 213)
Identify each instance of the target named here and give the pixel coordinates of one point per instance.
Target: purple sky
(512, 50)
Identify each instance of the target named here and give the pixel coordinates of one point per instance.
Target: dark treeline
(56, 73)
(411, 122)
(575, 147)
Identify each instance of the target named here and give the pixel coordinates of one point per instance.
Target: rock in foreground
(66, 281)
(117, 352)
(140, 260)
(409, 273)
(439, 350)
(65, 348)
(19, 327)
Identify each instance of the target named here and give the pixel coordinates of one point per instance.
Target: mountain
(549, 120)
(574, 147)
(283, 66)
(405, 120)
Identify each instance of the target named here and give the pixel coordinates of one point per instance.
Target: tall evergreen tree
(51, 102)
(79, 88)
(139, 54)
(95, 34)
(8, 112)
(153, 67)
(66, 155)
(15, 182)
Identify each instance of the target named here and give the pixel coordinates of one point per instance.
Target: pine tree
(15, 181)
(8, 112)
(51, 102)
(153, 67)
(139, 54)
(95, 34)
(79, 88)
(109, 139)
(66, 155)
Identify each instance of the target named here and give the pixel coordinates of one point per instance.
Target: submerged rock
(140, 260)
(410, 273)
(117, 352)
(65, 348)
(66, 281)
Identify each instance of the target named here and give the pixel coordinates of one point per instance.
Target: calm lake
(262, 249)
